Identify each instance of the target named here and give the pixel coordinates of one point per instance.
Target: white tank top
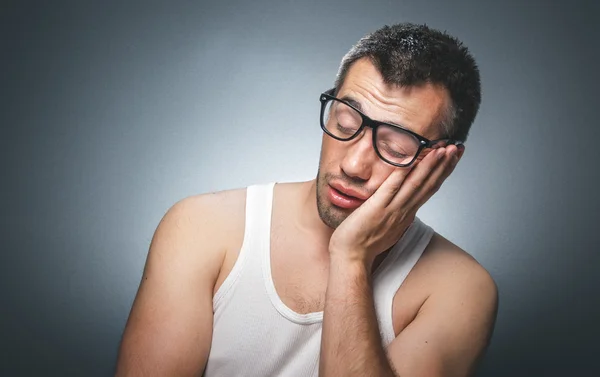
(256, 334)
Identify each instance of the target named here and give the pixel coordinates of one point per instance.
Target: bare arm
(453, 328)
(446, 339)
(169, 329)
(454, 324)
(350, 341)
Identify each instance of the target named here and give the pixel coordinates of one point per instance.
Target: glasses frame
(374, 124)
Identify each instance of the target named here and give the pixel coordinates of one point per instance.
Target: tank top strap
(259, 202)
(405, 254)
(259, 205)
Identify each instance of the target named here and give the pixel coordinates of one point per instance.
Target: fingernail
(440, 153)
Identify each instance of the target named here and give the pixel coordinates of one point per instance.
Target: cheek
(332, 152)
(381, 174)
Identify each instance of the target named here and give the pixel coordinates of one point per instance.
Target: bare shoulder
(202, 226)
(461, 288)
(452, 320)
(445, 275)
(169, 329)
(452, 268)
(211, 208)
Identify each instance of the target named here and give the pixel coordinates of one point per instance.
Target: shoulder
(199, 228)
(214, 204)
(169, 328)
(450, 260)
(456, 313)
(213, 211)
(455, 273)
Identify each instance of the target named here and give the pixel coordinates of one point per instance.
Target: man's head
(407, 75)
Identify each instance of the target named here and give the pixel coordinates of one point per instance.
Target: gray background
(113, 111)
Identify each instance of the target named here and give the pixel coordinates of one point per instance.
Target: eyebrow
(357, 104)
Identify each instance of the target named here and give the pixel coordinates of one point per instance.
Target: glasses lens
(396, 145)
(341, 120)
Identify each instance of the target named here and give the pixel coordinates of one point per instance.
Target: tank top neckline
(282, 308)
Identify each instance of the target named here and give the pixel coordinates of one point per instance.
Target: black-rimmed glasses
(393, 144)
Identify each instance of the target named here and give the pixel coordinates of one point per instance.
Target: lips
(344, 198)
(349, 192)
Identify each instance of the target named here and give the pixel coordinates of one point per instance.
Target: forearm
(350, 343)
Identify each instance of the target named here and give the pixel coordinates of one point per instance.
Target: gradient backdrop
(113, 111)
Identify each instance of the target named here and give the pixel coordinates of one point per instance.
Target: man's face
(353, 166)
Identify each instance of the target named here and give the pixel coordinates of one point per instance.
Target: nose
(360, 156)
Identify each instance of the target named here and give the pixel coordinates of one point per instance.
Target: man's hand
(381, 221)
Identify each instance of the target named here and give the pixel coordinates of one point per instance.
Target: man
(335, 276)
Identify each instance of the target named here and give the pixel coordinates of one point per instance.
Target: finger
(400, 191)
(435, 180)
(389, 188)
(413, 187)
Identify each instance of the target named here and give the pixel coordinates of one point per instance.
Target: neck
(309, 220)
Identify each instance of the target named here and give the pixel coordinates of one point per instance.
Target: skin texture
(378, 224)
(169, 329)
(322, 259)
(355, 164)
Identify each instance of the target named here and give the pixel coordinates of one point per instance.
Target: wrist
(348, 259)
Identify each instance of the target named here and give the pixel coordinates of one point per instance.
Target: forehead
(418, 108)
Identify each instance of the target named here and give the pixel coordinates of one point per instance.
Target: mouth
(345, 198)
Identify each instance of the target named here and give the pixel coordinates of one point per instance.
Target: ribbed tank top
(256, 334)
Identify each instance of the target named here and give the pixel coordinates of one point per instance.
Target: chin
(331, 215)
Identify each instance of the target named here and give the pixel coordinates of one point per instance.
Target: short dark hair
(407, 54)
